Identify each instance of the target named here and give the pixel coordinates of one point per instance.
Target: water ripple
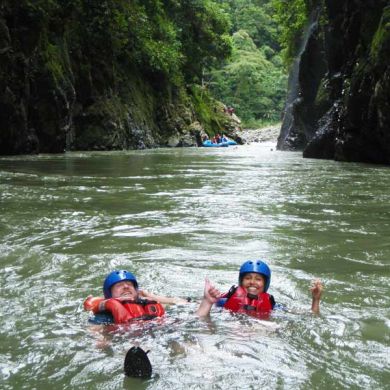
(174, 217)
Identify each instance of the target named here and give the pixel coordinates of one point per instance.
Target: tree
(253, 81)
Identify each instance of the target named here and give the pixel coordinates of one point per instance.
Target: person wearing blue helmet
(250, 296)
(123, 300)
(115, 280)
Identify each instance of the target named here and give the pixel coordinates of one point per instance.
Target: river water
(173, 217)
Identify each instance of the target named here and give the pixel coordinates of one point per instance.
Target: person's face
(253, 283)
(124, 289)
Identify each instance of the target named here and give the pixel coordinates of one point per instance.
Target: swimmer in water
(251, 296)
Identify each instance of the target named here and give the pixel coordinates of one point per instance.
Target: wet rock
(63, 91)
(341, 111)
(266, 134)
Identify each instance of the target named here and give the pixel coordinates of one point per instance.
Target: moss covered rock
(349, 119)
(82, 75)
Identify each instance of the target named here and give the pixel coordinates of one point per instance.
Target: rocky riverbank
(77, 75)
(264, 134)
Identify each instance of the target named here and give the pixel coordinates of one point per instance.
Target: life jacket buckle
(249, 307)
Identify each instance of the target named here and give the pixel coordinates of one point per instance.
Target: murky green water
(173, 217)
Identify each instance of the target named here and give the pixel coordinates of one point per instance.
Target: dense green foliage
(112, 66)
(291, 17)
(146, 56)
(170, 39)
(254, 80)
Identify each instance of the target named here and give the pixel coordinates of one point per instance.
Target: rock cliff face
(58, 92)
(339, 94)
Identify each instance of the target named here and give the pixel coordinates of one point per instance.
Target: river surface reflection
(173, 217)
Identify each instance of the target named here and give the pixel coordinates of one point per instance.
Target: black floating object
(137, 363)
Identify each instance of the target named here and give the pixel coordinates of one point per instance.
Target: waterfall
(289, 133)
(67, 121)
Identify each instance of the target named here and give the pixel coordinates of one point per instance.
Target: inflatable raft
(209, 144)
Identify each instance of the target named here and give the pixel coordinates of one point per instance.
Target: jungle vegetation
(265, 35)
(89, 51)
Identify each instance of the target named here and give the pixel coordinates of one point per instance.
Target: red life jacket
(144, 309)
(242, 302)
(129, 310)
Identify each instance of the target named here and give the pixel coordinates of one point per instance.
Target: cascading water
(291, 138)
(67, 121)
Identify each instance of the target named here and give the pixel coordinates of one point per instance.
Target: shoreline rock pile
(265, 134)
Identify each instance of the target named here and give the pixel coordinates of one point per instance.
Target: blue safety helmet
(116, 277)
(258, 267)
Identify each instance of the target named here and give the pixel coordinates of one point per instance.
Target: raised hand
(316, 289)
(211, 293)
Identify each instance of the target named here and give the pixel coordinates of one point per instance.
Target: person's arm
(162, 299)
(316, 291)
(112, 305)
(93, 304)
(210, 296)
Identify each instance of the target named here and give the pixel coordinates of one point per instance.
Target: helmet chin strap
(251, 296)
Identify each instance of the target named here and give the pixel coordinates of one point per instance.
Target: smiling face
(124, 289)
(253, 283)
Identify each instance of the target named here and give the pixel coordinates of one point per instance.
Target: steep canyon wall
(341, 105)
(63, 90)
